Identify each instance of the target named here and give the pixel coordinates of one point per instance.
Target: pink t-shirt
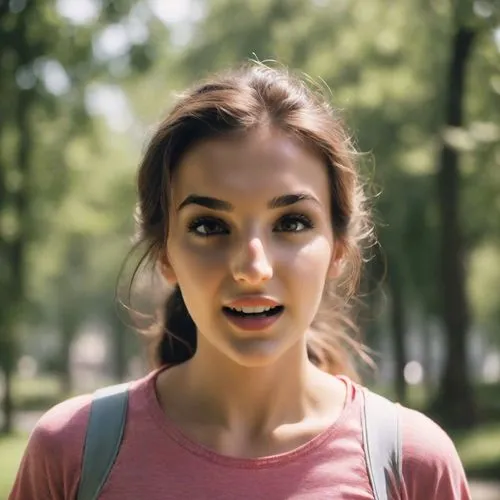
(157, 462)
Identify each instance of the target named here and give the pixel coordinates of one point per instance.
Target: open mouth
(253, 312)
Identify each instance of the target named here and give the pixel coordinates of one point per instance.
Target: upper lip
(253, 301)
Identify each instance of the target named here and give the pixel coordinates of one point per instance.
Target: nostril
(253, 273)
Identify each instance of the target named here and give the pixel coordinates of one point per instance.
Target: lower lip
(252, 324)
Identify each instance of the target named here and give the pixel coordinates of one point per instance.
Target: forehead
(265, 163)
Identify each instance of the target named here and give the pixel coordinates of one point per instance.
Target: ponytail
(177, 339)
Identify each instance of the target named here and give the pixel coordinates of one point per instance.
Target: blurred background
(83, 81)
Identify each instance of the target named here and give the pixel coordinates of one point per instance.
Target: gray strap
(382, 443)
(103, 438)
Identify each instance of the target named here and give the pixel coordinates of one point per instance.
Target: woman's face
(250, 243)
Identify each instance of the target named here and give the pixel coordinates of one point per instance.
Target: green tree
(455, 401)
(53, 60)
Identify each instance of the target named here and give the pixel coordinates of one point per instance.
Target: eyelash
(207, 221)
(303, 219)
(223, 227)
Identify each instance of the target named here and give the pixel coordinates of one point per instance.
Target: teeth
(252, 310)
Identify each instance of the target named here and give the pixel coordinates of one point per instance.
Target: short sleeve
(50, 467)
(432, 469)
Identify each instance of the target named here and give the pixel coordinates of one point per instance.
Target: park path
(481, 490)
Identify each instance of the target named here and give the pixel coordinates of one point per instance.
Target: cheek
(306, 278)
(311, 262)
(194, 263)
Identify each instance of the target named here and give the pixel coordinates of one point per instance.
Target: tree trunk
(8, 404)
(15, 249)
(455, 404)
(398, 320)
(5, 312)
(7, 363)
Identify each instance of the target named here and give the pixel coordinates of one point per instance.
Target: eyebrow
(282, 201)
(291, 199)
(206, 201)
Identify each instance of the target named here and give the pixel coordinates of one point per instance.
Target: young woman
(251, 207)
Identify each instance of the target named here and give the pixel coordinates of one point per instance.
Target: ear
(166, 269)
(337, 262)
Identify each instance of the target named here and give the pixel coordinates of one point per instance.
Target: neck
(219, 392)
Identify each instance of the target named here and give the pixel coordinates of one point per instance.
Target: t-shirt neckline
(166, 426)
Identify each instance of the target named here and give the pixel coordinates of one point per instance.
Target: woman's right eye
(207, 226)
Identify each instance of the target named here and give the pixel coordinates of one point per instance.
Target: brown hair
(237, 102)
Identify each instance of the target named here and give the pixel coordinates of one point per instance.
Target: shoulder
(423, 439)
(431, 465)
(50, 467)
(51, 463)
(66, 422)
(68, 418)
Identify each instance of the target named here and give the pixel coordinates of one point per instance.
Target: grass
(479, 450)
(11, 451)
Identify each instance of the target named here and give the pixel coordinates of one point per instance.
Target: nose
(251, 265)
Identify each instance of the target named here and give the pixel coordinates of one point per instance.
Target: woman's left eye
(293, 224)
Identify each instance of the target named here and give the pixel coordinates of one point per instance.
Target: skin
(251, 394)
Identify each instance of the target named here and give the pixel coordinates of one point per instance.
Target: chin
(256, 353)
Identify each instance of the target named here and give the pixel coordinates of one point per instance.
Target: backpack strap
(382, 444)
(105, 428)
